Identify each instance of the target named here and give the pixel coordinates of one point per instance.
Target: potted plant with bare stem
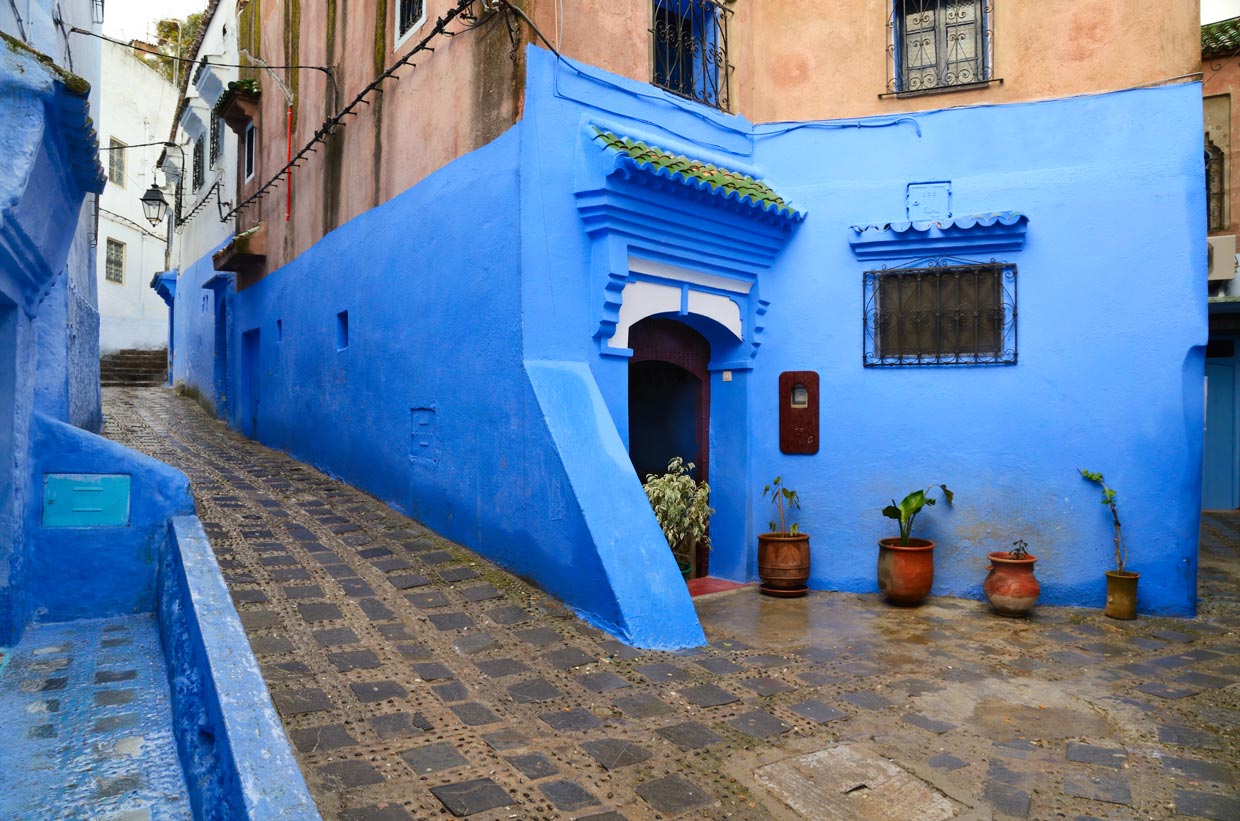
(783, 553)
(905, 564)
(1121, 582)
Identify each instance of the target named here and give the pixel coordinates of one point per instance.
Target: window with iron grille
(217, 123)
(691, 50)
(114, 262)
(939, 44)
(410, 14)
(199, 170)
(941, 312)
(116, 162)
(1215, 186)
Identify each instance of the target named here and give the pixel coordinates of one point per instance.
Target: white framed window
(250, 139)
(409, 17)
(116, 162)
(114, 262)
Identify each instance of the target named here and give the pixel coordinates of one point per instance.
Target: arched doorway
(669, 402)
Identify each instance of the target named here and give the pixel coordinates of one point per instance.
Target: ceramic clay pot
(1011, 586)
(783, 564)
(1121, 595)
(905, 572)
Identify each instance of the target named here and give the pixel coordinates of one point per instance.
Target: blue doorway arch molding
(676, 236)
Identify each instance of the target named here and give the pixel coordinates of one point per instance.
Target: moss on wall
(292, 50)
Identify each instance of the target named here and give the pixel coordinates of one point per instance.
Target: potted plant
(905, 564)
(1011, 588)
(1121, 583)
(682, 507)
(783, 553)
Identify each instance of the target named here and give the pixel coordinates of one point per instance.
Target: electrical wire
(132, 224)
(330, 124)
(203, 61)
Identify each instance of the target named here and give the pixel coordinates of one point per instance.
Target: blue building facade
(479, 374)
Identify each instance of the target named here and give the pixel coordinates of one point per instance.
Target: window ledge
(926, 92)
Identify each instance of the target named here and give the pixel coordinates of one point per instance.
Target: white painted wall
(136, 105)
(204, 233)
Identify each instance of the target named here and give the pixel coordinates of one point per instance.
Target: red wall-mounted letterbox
(798, 412)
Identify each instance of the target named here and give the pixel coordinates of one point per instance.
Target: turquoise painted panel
(1219, 475)
(85, 500)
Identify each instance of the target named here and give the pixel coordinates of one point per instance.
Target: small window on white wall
(114, 262)
(410, 15)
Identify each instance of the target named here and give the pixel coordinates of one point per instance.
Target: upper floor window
(200, 172)
(114, 262)
(217, 125)
(1215, 186)
(691, 50)
(116, 162)
(410, 14)
(941, 312)
(939, 44)
(248, 164)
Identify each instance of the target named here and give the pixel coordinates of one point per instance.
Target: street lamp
(154, 206)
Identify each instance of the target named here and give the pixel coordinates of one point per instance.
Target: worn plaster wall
(46, 297)
(459, 98)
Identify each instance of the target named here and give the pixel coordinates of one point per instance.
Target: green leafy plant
(785, 500)
(907, 510)
(1020, 550)
(682, 507)
(1108, 499)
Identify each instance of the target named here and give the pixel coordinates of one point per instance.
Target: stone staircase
(133, 369)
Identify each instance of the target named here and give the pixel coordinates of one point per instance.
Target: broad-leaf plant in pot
(682, 508)
(1011, 588)
(1121, 583)
(906, 564)
(783, 553)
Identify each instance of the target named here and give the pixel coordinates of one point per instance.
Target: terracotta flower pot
(1121, 595)
(783, 564)
(1011, 586)
(905, 572)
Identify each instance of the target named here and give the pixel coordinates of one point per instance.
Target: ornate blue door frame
(688, 240)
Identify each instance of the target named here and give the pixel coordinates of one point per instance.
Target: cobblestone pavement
(417, 680)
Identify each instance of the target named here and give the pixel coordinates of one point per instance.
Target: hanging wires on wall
(329, 126)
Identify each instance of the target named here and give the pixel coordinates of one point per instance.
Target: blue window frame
(691, 50)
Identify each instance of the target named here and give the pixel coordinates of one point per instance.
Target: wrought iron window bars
(691, 50)
(937, 45)
(940, 311)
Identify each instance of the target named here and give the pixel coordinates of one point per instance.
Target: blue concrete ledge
(236, 757)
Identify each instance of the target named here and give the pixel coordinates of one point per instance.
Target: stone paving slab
(88, 724)
(417, 680)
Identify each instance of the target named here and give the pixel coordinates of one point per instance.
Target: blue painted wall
(472, 394)
(1111, 329)
(91, 572)
(236, 758)
(48, 325)
(194, 321)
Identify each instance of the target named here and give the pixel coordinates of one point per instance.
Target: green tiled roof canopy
(1222, 37)
(720, 180)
